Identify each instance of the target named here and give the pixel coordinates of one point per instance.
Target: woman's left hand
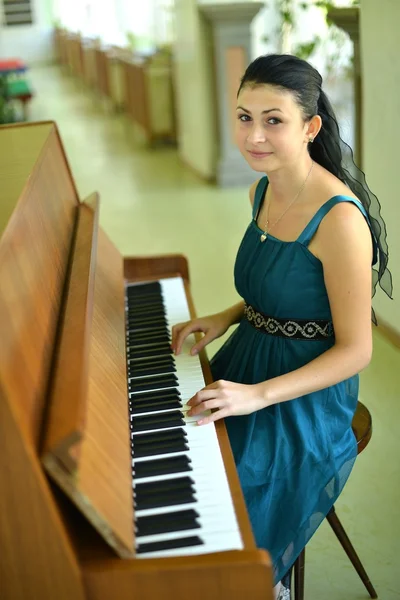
(229, 398)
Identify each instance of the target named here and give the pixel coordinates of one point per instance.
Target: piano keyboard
(181, 494)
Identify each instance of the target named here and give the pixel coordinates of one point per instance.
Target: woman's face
(270, 129)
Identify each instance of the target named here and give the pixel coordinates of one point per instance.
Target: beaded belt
(301, 329)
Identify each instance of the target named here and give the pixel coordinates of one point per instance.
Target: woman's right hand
(212, 326)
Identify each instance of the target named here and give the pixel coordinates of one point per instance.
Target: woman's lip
(259, 154)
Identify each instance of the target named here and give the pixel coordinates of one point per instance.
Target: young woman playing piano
(286, 381)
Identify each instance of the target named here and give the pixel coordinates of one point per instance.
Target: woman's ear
(314, 126)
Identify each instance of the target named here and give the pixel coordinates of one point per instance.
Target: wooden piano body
(66, 510)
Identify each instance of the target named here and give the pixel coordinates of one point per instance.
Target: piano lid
(20, 149)
(87, 443)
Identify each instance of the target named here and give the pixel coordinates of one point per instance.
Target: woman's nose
(256, 135)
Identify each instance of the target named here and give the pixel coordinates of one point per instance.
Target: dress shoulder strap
(259, 195)
(309, 232)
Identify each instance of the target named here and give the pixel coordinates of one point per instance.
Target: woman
(286, 381)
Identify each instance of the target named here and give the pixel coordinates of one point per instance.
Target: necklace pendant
(263, 237)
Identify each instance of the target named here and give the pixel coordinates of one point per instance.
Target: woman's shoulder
(342, 211)
(338, 204)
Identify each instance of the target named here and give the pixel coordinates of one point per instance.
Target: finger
(183, 334)
(202, 344)
(175, 331)
(180, 336)
(215, 416)
(201, 396)
(206, 405)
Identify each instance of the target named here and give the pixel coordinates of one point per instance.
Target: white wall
(196, 107)
(381, 129)
(31, 43)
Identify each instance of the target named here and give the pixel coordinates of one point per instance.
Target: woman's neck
(285, 183)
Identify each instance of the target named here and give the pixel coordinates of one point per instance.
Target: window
(17, 12)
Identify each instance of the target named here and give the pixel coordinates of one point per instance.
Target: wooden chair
(362, 427)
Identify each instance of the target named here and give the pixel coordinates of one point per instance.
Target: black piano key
(159, 323)
(145, 308)
(134, 341)
(164, 486)
(161, 402)
(166, 387)
(148, 349)
(152, 363)
(149, 353)
(159, 395)
(152, 419)
(148, 345)
(146, 315)
(148, 361)
(169, 544)
(144, 288)
(144, 296)
(145, 361)
(174, 418)
(161, 378)
(159, 438)
(159, 442)
(137, 409)
(141, 297)
(160, 327)
(168, 378)
(135, 326)
(163, 497)
(170, 448)
(150, 331)
(138, 357)
(162, 466)
(155, 419)
(163, 338)
(167, 522)
(159, 318)
(153, 407)
(156, 329)
(152, 360)
(138, 303)
(167, 499)
(150, 302)
(140, 329)
(152, 383)
(157, 370)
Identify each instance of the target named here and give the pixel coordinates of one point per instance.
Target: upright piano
(108, 490)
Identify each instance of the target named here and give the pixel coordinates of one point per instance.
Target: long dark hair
(293, 74)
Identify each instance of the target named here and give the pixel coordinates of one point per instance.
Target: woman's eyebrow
(263, 112)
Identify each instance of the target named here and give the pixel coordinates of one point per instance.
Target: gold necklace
(264, 235)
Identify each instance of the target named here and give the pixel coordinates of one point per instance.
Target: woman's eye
(244, 118)
(274, 121)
